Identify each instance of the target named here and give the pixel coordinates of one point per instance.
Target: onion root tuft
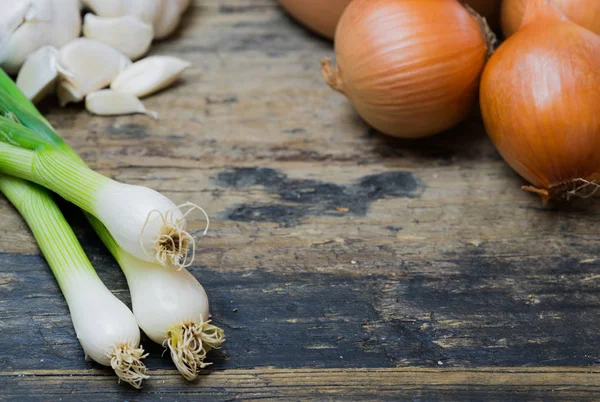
(126, 361)
(189, 343)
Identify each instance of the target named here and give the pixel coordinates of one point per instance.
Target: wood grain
(339, 261)
(494, 384)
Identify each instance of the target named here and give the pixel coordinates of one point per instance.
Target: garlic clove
(110, 103)
(167, 20)
(26, 39)
(149, 75)
(145, 10)
(24, 29)
(127, 34)
(66, 22)
(38, 74)
(31, 24)
(92, 64)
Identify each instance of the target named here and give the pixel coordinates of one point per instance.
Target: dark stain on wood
(314, 196)
(129, 130)
(327, 320)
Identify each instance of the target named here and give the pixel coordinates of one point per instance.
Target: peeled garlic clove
(149, 75)
(24, 29)
(167, 20)
(39, 73)
(27, 25)
(127, 34)
(145, 10)
(109, 103)
(66, 22)
(92, 64)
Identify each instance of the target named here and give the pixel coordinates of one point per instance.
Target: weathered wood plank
(494, 384)
(336, 247)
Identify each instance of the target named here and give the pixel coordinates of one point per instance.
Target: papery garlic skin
(27, 25)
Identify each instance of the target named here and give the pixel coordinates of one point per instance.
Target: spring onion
(105, 327)
(144, 222)
(170, 306)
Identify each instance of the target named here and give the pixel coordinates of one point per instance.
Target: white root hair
(126, 361)
(583, 189)
(172, 246)
(189, 343)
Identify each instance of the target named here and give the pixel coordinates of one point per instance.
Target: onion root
(189, 343)
(126, 361)
(172, 245)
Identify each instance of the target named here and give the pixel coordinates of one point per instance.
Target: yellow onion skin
(540, 102)
(320, 16)
(411, 68)
(583, 12)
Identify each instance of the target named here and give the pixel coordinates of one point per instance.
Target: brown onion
(320, 16)
(411, 68)
(540, 101)
(583, 12)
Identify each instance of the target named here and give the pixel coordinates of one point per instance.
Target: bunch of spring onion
(145, 223)
(169, 305)
(105, 327)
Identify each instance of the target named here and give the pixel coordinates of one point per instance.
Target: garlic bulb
(107, 102)
(127, 34)
(92, 65)
(27, 25)
(39, 73)
(149, 75)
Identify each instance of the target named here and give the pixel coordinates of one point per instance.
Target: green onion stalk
(171, 306)
(144, 222)
(105, 327)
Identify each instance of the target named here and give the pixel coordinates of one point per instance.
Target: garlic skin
(39, 73)
(149, 75)
(31, 24)
(92, 65)
(107, 102)
(127, 34)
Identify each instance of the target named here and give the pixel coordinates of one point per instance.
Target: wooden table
(342, 264)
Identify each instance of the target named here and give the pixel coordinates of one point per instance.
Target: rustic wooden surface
(341, 264)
